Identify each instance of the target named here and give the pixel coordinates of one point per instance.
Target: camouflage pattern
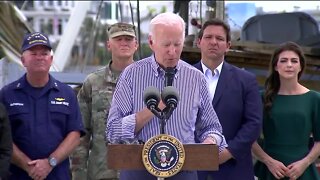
(94, 98)
(121, 29)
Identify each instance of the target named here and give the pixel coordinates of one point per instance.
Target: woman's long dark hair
(272, 84)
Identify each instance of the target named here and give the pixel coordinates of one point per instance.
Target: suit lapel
(223, 82)
(198, 66)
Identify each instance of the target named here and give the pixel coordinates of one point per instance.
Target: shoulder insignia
(59, 99)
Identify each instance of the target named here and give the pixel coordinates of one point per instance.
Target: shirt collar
(22, 82)
(217, 71)
(158, 71)
(110, 75)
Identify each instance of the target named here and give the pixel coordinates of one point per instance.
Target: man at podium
(130, 120)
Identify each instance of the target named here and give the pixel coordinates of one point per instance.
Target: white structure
(49, 16)
(64, 48)
(52, 17)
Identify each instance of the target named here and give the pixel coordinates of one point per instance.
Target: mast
(215, 9)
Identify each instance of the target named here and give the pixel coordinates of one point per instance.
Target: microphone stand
(152, 97)
(163, 116)
(163, 122)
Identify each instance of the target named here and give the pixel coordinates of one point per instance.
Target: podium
(163, 155)
(203, 157)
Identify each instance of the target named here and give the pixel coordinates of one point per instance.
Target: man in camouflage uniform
(95, 98)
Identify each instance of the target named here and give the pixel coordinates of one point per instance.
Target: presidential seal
(163, 155)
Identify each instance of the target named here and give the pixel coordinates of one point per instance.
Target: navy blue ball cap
(33, 39)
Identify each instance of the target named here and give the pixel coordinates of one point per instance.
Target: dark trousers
(204, 175)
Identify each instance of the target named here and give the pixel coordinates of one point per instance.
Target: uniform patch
(16, 104)
(60, 101)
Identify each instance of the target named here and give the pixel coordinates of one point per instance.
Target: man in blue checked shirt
(129, 118)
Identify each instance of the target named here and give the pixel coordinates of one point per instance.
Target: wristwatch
(52, 161)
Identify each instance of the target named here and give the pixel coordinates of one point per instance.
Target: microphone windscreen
(169, 92)
(151, 93)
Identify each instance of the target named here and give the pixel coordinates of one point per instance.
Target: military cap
(33, 39)
(120, 29)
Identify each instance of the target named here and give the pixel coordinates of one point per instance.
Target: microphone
(151, 97)
(170, 96)
(169, 75)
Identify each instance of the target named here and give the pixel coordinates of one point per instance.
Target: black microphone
(169, 76)
(170, 96)
(151, 97)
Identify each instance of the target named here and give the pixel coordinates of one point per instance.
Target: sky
(268, 6)
(287, 6)
(279, 6)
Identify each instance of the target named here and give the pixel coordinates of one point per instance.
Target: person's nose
(123, 42)
(39, 56)
(213, 40)
(171, 50)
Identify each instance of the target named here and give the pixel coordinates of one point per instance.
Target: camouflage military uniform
(94, 99)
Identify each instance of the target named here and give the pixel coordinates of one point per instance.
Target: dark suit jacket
(5, 142)
(238, 105)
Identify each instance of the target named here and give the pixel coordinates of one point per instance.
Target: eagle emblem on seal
(163, 156)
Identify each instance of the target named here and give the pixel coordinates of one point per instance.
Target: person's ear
(22, 60)
(228, 45)
(151, 43)
(198, 42)
(108, 45)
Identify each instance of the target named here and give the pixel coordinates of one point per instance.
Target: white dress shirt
(212, 78)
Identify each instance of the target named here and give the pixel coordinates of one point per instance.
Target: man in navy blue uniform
(44, 116)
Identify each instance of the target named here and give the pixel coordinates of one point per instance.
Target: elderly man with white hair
(130, 119)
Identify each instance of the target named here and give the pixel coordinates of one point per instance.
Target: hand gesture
(41, 169)
(277, 168)
(296, 169)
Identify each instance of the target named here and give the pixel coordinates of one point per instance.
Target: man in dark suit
(236, 100)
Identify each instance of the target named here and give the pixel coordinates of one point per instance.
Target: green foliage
(151, 10)
(163, 9)
(145, 50)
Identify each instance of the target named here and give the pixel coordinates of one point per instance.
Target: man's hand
(40, 170)
(224, 156)
(210, 140)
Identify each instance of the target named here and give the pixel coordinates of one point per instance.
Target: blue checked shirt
(193, 113)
